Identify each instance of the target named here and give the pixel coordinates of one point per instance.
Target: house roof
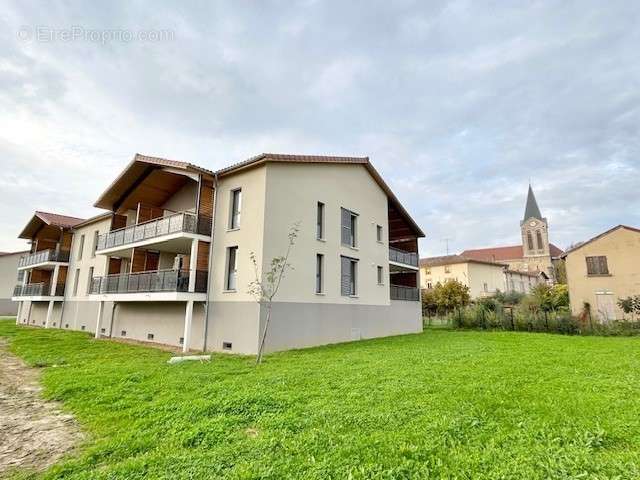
(95, 218)
(498, 254)
(453, 259)
(531, 210)
(40, 219)
(6, 254)
(142, 165)
(137, 170)
(593, 239)
(364, 161)
(528, 274)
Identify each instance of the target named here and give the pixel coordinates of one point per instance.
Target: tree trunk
(264, 334)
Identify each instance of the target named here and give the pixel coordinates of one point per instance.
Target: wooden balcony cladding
(40, 276)
(205, 206)
(202, 262)
(67, 238)
(115, 264)
(143, 260)
(62, 274)
(118, 221)
(148, 212)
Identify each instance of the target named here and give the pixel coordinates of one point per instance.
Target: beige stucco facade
(483, 279)
(621, 248)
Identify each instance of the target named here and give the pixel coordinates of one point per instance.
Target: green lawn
(443, 404)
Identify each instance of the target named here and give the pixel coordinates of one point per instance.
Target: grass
(443, 404)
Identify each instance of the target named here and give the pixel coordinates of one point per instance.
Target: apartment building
(169, 260)
(603, 270)
(484, 278)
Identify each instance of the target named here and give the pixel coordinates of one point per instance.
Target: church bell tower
(535, 235)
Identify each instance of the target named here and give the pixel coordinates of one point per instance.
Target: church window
(529, 241)
(539, 240)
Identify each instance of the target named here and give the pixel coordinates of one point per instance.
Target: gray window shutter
(346, 226)
(345, 276)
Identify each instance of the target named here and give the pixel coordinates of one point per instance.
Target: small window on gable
(380, 275)
(379, 233)
(447, 269)
(320, 221)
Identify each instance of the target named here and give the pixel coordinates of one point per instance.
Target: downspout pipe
(207, 305)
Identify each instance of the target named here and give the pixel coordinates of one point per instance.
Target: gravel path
(34, 433)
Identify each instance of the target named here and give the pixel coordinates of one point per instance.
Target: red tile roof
(501, 254)
(63, 221)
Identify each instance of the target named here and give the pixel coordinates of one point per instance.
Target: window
(150, 336)
(236, 206)
(447, 269)
(427, 271)
(95, 244)
(232, 268)
(379, 233)
(76, 279)
(485, 287)
(89, 280)
(380, 275)
(597, 266)
(539, 240)
(227, 346)
(348, 274)
(319, 272)
(429, 285)
(349, 222)
(81, 247)
(529, 241)
(320, 221)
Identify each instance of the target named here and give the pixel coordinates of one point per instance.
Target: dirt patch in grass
(34, 433)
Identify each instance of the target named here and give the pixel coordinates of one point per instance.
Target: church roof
(532, 209)
(501, 254)
(453, 259)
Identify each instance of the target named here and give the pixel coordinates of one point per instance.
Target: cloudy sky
(458, 104)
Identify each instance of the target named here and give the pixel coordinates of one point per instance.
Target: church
(535, 254)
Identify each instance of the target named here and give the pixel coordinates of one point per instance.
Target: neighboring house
(604, 269)
(170, 260)
(483, 278)
(8, 267)
(535, 254)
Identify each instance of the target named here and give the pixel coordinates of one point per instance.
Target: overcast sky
(458, 104)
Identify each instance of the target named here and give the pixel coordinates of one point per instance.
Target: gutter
(210, 264)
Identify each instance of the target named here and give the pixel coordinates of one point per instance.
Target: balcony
(402, 257)
(173, 225)
(157, 281)
(398, 292)
(43, 256)
(38, 290)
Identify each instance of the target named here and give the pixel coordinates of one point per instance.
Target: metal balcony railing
(152, 281)
(178, 222)
(38, 290)
(43, 256)
(404, 293)
(400, 256)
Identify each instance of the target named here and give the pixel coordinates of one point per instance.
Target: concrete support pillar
(99, 319)
(47, 322)
(193, 265)
(19, 312)
(54, 280)
(188, 319)
(28, 319)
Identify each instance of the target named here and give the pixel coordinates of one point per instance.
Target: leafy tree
(451, 295)
(630, 305)
(429, 304)
(265, 288)
(559, 296)
(560, 268)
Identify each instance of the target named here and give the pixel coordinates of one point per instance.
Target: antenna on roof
(446, 241)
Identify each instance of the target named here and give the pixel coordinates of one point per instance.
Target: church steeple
(531, 210)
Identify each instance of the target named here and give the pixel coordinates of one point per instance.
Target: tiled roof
(501, 254)
(95, 218)
(56, 220)
(452, 259)
(165, 162)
